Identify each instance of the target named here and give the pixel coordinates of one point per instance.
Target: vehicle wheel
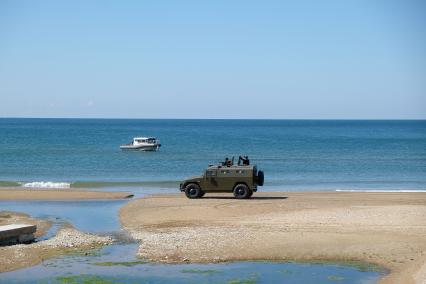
(192, 190)
(241, 191)
(250, 193)
(260, 178)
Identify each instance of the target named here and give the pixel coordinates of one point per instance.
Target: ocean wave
(159, 184)
(46, 184)
(90, 184)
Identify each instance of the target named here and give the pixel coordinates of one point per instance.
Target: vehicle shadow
(252, 198)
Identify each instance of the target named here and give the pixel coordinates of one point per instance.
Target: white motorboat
(143, 143)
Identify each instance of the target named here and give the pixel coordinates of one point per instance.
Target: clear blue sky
(213, 59)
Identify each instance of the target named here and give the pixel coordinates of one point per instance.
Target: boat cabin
(144, 140)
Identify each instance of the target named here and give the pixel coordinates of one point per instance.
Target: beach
(59, 194)
(387, 229)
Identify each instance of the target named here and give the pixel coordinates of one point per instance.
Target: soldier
(243, 160)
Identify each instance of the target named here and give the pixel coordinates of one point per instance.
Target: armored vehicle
(241, 179)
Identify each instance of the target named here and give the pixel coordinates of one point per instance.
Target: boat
(143, 144)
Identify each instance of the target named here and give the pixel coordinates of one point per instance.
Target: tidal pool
(117, 263)
(96, 216)
(87, 216)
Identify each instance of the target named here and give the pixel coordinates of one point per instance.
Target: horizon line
(208, 118)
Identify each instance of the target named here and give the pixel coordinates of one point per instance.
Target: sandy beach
(59, 194)
(388, 229)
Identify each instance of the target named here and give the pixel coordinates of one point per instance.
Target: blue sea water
(295, 154)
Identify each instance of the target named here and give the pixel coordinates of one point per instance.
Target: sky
(352, 59)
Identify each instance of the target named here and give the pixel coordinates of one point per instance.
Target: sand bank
(7, 218)
(59, 194)
(383, 228)
(66, 240)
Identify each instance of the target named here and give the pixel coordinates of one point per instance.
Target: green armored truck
(242, 179)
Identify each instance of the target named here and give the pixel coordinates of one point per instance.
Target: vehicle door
(211, 181)
(226, 179)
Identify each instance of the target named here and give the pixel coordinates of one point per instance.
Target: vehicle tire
(192, 190)
(260, 178)
(250, 193)
(241, 191)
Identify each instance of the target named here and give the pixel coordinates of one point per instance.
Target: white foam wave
(378, 190)
(46, 184)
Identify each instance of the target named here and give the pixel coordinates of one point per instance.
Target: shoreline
(386, 229)
(16, 194)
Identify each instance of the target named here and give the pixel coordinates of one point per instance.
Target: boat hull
(153, 147)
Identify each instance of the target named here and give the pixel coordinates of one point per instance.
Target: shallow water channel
(117, 263)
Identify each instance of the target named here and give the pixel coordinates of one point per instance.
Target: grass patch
(200, 271)
(120, 263)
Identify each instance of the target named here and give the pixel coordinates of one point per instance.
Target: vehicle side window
(211, 173)
(225, 172)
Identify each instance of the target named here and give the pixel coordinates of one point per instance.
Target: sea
(296, 155)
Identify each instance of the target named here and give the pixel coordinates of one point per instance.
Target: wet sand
(59, 194)
(388, 229)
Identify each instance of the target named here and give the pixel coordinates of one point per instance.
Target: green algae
(242, 281)
(286, 271)
(365, 267)
(94, 251)
(335, 278)
(85, 279)
(120, 263)
(250, 280)
(358, 265)
(200, 271)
